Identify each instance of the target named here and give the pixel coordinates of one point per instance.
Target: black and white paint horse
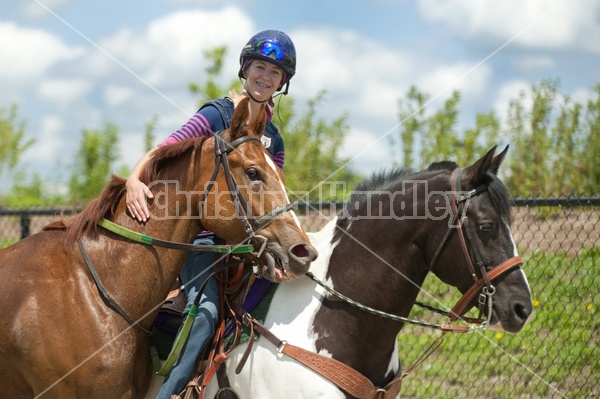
(396, 228)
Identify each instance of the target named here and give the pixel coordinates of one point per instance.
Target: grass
(555, 356)
(5, 243)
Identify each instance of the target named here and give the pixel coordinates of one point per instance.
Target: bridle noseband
(482, 285)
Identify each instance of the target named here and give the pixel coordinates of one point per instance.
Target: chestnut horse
(395, 229)
(59, 338)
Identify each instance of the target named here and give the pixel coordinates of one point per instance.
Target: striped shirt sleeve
(279, 158)
(196, 126)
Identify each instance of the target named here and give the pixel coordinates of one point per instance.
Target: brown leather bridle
(482, 280)
(252, 224)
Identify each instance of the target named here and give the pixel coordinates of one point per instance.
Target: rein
(442, 327)
(147, 240)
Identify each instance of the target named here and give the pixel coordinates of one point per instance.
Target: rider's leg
(196, 269)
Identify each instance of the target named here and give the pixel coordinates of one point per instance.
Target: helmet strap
(285, 90)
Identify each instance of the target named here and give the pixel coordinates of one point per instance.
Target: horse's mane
(384, 180)
(175, 161)
(389, 179)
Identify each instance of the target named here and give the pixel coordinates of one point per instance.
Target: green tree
(211, 89)
(434, 136)
(487, 130)
(314, 169)
(94, 161)
(556, 151)
(590, 154)
(411, 114)
(149, 136)
(554, 141)
(12, 138)
(32, 191)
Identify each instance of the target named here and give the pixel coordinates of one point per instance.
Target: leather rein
(353, 382)
(252, 224)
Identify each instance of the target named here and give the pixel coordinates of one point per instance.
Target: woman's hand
(136, 195)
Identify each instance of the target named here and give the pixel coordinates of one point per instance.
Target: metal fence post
(25, 222)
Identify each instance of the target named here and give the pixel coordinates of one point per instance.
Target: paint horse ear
(474, 175)
(497, 161)
(240, 117)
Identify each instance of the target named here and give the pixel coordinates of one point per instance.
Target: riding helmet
(273, 46)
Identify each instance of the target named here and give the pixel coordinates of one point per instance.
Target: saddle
(168, 320)
(236, 281)
(238, 287)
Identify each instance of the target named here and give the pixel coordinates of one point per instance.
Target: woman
(267, 63)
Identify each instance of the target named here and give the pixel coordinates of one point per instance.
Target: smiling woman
(267, 64)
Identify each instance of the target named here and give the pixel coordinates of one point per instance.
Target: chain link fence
(556, 355)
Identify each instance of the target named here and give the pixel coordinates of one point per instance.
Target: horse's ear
(476, 172)
(239, 119)
(497, 161)
(258, 124)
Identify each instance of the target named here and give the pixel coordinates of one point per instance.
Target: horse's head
(485, 266)
(251, 199)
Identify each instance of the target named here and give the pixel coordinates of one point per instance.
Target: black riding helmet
(273, 46)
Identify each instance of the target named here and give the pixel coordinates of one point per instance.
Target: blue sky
(71, 65)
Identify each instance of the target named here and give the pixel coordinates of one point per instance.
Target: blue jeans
(195, 271)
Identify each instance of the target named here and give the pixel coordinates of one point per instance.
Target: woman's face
(263, 79)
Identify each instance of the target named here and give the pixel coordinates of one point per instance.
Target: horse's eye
(486, 227)
(253, 174)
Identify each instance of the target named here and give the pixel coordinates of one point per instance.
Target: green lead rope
(147, 240)
(177, 345)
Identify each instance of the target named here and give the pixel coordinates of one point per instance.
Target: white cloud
(534, 23)
(583, 95)
(470, 80)
(363, 79)
(509, 91)
(28, 53)
(37, 9)
(48, 142)
(366, 151)
(535, 62)
(64, 91)
(117, 95)
(343, 60)
(169, 54)
(175, 43)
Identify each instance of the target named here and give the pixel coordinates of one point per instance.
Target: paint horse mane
(390, 180)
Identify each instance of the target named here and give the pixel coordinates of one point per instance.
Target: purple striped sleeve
(278, 158)
(196, 126)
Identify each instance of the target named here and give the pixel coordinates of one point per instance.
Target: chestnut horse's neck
(173, 177)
